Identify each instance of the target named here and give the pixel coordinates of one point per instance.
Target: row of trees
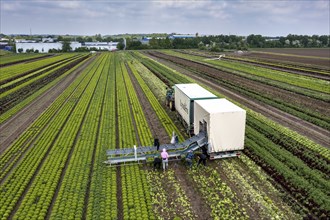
(221, 42)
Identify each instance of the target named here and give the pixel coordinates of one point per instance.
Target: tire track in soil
(304, 128)
(17, 205)
(197, 202)
(15, 126)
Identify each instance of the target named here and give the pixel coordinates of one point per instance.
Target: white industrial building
(111, 46)
(44, 47)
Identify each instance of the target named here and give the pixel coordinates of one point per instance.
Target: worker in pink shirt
(164, 156)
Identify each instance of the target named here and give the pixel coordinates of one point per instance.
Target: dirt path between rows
(197, 202)
(15, 126)
(157, 129)
(315, 133)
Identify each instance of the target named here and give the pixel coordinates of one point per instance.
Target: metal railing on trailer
(141, 154)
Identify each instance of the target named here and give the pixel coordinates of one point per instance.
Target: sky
(206, 17)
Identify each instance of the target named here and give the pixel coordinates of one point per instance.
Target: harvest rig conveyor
(138, 154)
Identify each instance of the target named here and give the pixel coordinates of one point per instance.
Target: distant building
(146, 40)
(182, 36)
(8, 48)
(25, 41)
(44, 47)
(3, 45)
(111, 46)
(47, 40)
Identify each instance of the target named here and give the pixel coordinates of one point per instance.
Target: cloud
(203, 16)
(69, 4)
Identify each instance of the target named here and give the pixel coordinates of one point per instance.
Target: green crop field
(52, 166)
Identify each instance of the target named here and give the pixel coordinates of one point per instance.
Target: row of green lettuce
(306, 181)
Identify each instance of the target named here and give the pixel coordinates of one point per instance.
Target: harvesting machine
(216, 126)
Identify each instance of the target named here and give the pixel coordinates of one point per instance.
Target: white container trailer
(184, 96)
(224, 123)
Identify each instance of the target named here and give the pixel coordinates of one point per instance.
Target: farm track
(16, 125)
(313, 132)
(197, 202)
(17, 205)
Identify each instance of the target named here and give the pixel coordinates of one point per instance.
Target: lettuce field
(60, 113)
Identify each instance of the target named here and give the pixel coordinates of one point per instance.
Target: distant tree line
(222, 42)
(95, 38)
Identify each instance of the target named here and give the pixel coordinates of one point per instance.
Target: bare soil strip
(157, 129)
(15, 126)
(319, 135)
(198, 203)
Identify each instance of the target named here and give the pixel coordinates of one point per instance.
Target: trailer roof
(195, 91)
(218, 105)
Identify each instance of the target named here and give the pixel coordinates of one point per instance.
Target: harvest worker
(202, 158)
(157, 163)
(164, 155)
(189, 158)
(156, 143)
